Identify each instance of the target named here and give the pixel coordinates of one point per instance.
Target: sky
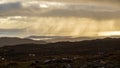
(78, 18)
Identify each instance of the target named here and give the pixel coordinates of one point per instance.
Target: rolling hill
(15, 41)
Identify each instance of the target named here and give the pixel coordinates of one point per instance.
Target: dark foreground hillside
(85, 54)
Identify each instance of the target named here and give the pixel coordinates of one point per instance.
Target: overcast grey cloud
(60, 9)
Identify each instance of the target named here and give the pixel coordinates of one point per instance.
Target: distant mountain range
(7, 41)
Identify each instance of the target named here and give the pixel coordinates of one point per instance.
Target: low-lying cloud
(11, 32)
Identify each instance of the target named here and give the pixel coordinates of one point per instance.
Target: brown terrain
(81, 53)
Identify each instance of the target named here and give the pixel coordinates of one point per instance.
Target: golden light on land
(109, 33)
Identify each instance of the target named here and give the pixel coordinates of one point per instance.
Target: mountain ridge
(15, 41)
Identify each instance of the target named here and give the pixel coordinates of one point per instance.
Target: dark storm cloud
(10, 6)
(83, 14)
(112, 2)
(85, 10)
(108, 1)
